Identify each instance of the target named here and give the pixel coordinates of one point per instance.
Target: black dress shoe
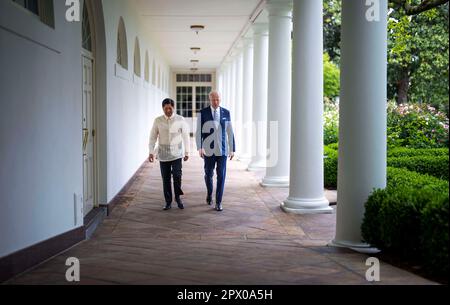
(208, 201)
(180, 204)
(219, 207)
(168, 206)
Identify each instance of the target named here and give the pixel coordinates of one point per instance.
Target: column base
(307, 206)
(256, 166)
(275, 182)
(245, 159)
(355, 246)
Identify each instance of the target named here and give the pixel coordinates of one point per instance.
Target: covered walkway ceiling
(169, 22)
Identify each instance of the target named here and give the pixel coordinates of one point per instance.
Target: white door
(88, 137)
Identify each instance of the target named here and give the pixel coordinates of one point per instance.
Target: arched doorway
(94, 105)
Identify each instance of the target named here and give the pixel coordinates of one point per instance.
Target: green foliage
(408, 125)
(434, 237)
(412, 152)
(400, 177)
(331, 78)
(410, 219)
(331, 122)
(417, 126)
(332, 28)
(406, 151)
(418, 52)
(330, 168)
(418, 56)
(334, 146)
(436, 166)
(399, 219)
(371, 227)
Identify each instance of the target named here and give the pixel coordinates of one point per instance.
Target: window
(41, 8)
(86, 30)
(122, 51)
(196, 93)
(194, 78)
(147, 69)
(137, 58)
(184, 101)
(201, 98)
(186, 96)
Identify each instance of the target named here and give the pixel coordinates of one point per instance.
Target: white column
(279, 93)
(219, 78)
(306, 192)
(233, 94)
(260, 82)
(228, 87)
(236, 115)
(224, 90)
(362, 135)
(247, 100)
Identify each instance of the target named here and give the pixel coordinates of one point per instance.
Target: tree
(332, 29)
(418, 56)
(414, 7)
(418, 48)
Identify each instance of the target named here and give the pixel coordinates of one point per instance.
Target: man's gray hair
(214, 92)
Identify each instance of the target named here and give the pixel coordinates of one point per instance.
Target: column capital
(247, 42)
(280, 8)
(260, 29)
(227, 62)
(237, 52)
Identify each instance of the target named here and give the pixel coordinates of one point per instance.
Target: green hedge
(410, 219)
(432, 162)
(434, 237)
(411, 152)
(400, 177)
(436, 166)
(330, 168)
(407, 152)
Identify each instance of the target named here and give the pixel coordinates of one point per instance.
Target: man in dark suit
(215, 143)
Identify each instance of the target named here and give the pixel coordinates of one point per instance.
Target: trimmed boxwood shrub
(432, 162)
(410, 219)
(371, 228)
(398, 181)
(330, 168)
(400, 220)
(436, 166)
(412, 152)
(400, 177)
(435, 236)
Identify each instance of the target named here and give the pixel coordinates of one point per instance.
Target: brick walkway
(251, 242)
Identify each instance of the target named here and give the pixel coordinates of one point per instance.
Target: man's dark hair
(168, 101)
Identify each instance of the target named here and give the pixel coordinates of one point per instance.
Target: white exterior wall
(131, 107)
(40, 120)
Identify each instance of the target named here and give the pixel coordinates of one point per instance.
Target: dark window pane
(31, 5)
(86, 31)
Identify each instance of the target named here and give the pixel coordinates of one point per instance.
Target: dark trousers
(210, 164)
(167, 170)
